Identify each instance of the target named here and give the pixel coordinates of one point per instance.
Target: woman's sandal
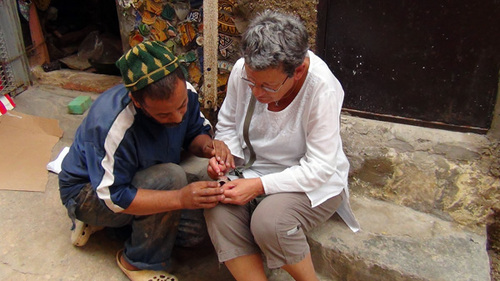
(144, 275)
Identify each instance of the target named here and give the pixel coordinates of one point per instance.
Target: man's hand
(241, 191)
(201, 194)
(196, 195)
(205, 146)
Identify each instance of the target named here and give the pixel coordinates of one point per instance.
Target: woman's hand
(223, 154)
(216, 168)
(221, 161)
(241, 191)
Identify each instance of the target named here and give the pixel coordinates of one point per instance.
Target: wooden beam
(210, 44)
(40, 52)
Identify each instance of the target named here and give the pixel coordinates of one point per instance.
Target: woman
(293, 173)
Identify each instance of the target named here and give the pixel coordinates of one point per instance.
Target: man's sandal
(81, 234)
(144, 275)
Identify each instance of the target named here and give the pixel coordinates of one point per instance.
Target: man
(122, 168)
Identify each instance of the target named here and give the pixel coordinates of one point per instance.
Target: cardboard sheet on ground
(26, 143)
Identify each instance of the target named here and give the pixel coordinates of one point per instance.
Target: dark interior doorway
(82, 35)
(430, 63)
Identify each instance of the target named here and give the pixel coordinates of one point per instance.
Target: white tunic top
(299, 148)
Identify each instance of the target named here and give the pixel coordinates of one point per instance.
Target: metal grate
(6, 76)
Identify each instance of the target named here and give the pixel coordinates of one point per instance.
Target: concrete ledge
(398, 243)
(76, 80)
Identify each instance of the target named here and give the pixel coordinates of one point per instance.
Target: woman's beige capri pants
(274, 224)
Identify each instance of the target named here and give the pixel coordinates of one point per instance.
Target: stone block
(398, 243)
(79, 104)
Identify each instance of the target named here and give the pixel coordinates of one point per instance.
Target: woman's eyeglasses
(265, 88)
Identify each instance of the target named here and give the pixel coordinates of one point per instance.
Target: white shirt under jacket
(298, 149)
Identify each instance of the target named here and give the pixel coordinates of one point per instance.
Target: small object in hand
(222, 180)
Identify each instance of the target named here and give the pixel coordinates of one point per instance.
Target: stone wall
(455, 176)
(306, 10)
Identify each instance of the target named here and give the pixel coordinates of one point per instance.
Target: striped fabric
(6, 103)
(115, 136)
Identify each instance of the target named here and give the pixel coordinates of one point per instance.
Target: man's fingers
(228, 160)
(211, 191)
(208, 184)
(208, 205)
(212, 198)
(213, 161)
(228, 200)
(209, 201)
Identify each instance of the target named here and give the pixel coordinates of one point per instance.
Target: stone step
(397, 243)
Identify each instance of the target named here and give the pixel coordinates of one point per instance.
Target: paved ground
(35, 230)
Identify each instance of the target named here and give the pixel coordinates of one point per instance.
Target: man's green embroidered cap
(146, 63)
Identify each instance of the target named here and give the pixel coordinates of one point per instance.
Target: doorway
(81, 35)
(428, 63)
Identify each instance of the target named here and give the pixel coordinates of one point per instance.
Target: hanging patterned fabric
(226, 23)
(24, 8)
(179, 24)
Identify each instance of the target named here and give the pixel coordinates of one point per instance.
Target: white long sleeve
(298, 149)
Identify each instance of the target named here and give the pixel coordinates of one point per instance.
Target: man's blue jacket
(116, 140)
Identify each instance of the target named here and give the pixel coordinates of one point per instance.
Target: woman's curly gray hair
(274, 39)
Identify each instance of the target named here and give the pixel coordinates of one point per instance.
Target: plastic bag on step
(92, 47)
